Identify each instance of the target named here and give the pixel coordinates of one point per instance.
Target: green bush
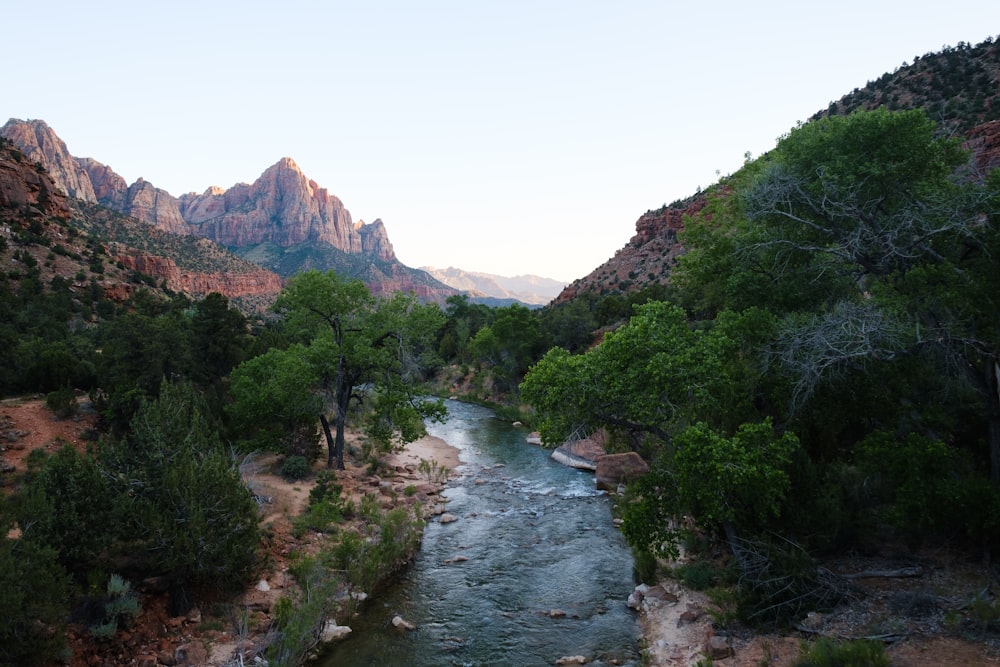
(62, 402)
(68, 506)
(857, 653)
(295, 468)
(34, 590)
(698, 575)
(120, 606)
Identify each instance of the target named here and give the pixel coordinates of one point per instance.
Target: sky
(505, 137)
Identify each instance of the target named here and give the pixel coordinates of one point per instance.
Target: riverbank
(410, 478)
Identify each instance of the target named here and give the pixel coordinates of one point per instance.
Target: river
(546, 576)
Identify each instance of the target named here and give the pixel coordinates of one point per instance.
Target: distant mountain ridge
(529, 289)
(283, 217)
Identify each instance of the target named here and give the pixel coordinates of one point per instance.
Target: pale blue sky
(507, 137)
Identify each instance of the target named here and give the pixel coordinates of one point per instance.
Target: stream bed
(533, 569)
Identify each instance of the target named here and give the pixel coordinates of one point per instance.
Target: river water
(538, 538)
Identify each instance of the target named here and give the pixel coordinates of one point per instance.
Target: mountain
(527, 289)
(959, 87)
(283, 220)
(88, 246)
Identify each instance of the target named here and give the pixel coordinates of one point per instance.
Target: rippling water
(538, 537)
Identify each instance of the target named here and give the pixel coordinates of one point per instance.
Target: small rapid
(533, 570)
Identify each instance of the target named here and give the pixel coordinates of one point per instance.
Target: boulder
(190, 655)
(718, 648)
(401, 623)
(333, 632)
(582, 454)
(614, 469)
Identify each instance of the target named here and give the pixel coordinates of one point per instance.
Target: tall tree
(360, 351)
(901, 228)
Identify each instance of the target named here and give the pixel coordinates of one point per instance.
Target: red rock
(615, 469)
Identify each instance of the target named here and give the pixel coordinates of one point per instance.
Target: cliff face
(23, 186)
(40, 144)
(29, 195)
(232, 285)
(282, 207)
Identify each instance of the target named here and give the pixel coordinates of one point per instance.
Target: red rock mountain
(30, 196)
(282, 209)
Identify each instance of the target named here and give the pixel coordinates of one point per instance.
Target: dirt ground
(675, 629)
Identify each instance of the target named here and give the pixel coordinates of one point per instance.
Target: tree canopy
(351, 350)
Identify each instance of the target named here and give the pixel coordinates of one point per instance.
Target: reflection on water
(546, 575)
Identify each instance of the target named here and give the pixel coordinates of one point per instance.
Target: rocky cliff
(30, 199)
(270, 221)
(23, 187)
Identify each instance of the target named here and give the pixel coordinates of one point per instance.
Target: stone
(190, 655)
(615, 469)
(661, 594)
(332, 632)
(534, 438)
(718, 648)
(581, 454)
(557, 613)
(572, 660)
(401, 623)
(447, 518)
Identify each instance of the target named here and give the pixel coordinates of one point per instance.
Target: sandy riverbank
(428, 448)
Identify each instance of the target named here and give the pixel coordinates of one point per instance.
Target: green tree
(362, 352)
(69, 508)
(218, 339)
(902, 231)
(182, 499)
(34, 595)
(275, 398)
(652, 376)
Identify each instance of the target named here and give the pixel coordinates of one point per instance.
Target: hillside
(958, 87)
(49, 234)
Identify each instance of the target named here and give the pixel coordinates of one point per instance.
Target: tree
(34, 594)
(182, 499)
(274, 398)
(652, 376)
(218, 339)
(902, 230)
(68, 506)
(359, 351)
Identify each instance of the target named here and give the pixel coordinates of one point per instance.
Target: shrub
(295, 468)
(856, 653)
(68, 506)
(34, 589)
(699, 574)
(62, 402)
(119, 608)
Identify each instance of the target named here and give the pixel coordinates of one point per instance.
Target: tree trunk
(330, 445)
(992, 378)
(341, 427)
